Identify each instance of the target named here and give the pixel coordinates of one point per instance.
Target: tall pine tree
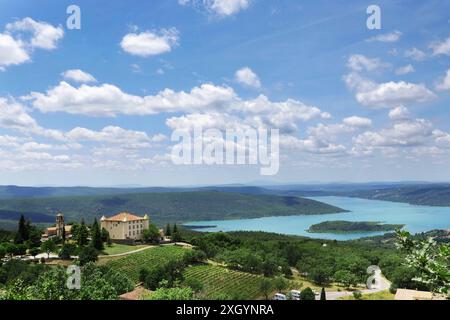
(96, 236)
(168, 230)
(80, 233)
(176, 237)
(23, 232)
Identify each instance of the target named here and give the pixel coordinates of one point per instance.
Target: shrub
(357, 294)
(307, 294)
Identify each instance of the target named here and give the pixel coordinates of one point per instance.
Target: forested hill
(432, 195)
(169, 206)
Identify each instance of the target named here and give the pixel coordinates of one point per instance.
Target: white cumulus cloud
(222, 8)
(405, 70)
(150, 43)
(387, 37)
(444, 83)
(441, 47)
(247, 77)
(78, 75)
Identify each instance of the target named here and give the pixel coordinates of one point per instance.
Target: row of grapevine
(219, 281)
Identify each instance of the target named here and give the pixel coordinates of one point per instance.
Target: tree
(96, 236)
(346, 278)
(323, 295)
(152, 235)
(87, 254)
(80, 233)
(22, 234)
(21, 249)
(51, 285)
(48, 246)
(195, 284)
(118, 280)
(430, 260)
(11, 249)
(67, 251)
(34, 252)
(321, 275)
(307, 294)
(34, 239)
(266, 287)
(280, 284)
(176, 236)
(63, 236)
(269, 266)
(357, 294)
(168, 230)
(2, 252)
(105, 236)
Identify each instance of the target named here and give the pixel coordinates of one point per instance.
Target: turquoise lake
(416, 218)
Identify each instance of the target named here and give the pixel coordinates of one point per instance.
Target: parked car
(295, 294)
(280, 296)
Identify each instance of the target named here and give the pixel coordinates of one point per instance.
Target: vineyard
(219, 282)
(132, 264)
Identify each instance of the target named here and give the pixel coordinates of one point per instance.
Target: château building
(125, 226)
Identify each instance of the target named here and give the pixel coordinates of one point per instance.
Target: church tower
(60, 225)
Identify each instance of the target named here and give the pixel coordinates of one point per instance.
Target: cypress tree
(168, 230)
(96, 236)
(82, 234)
(323, 295)
(22, 234)
(176, 237)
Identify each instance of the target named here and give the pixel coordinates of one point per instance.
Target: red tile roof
(124, 216)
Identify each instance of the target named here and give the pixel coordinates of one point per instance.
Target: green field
(219, 282)
(132, 264)
(117, 248)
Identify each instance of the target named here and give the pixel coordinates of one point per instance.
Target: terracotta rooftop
(137, 294)
(124, 217)
(67, 228)
(406, 294)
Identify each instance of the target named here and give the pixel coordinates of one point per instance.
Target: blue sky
(97, 106)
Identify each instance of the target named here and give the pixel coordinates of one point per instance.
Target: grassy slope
(383, 295)
(116, 248)
(172, 206)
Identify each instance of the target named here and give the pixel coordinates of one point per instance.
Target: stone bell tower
(60, 225)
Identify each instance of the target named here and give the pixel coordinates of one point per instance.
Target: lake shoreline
(415, 218)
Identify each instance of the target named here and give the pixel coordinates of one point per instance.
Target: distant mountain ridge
(435, 194)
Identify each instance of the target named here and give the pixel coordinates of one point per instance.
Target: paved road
(383, 286)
